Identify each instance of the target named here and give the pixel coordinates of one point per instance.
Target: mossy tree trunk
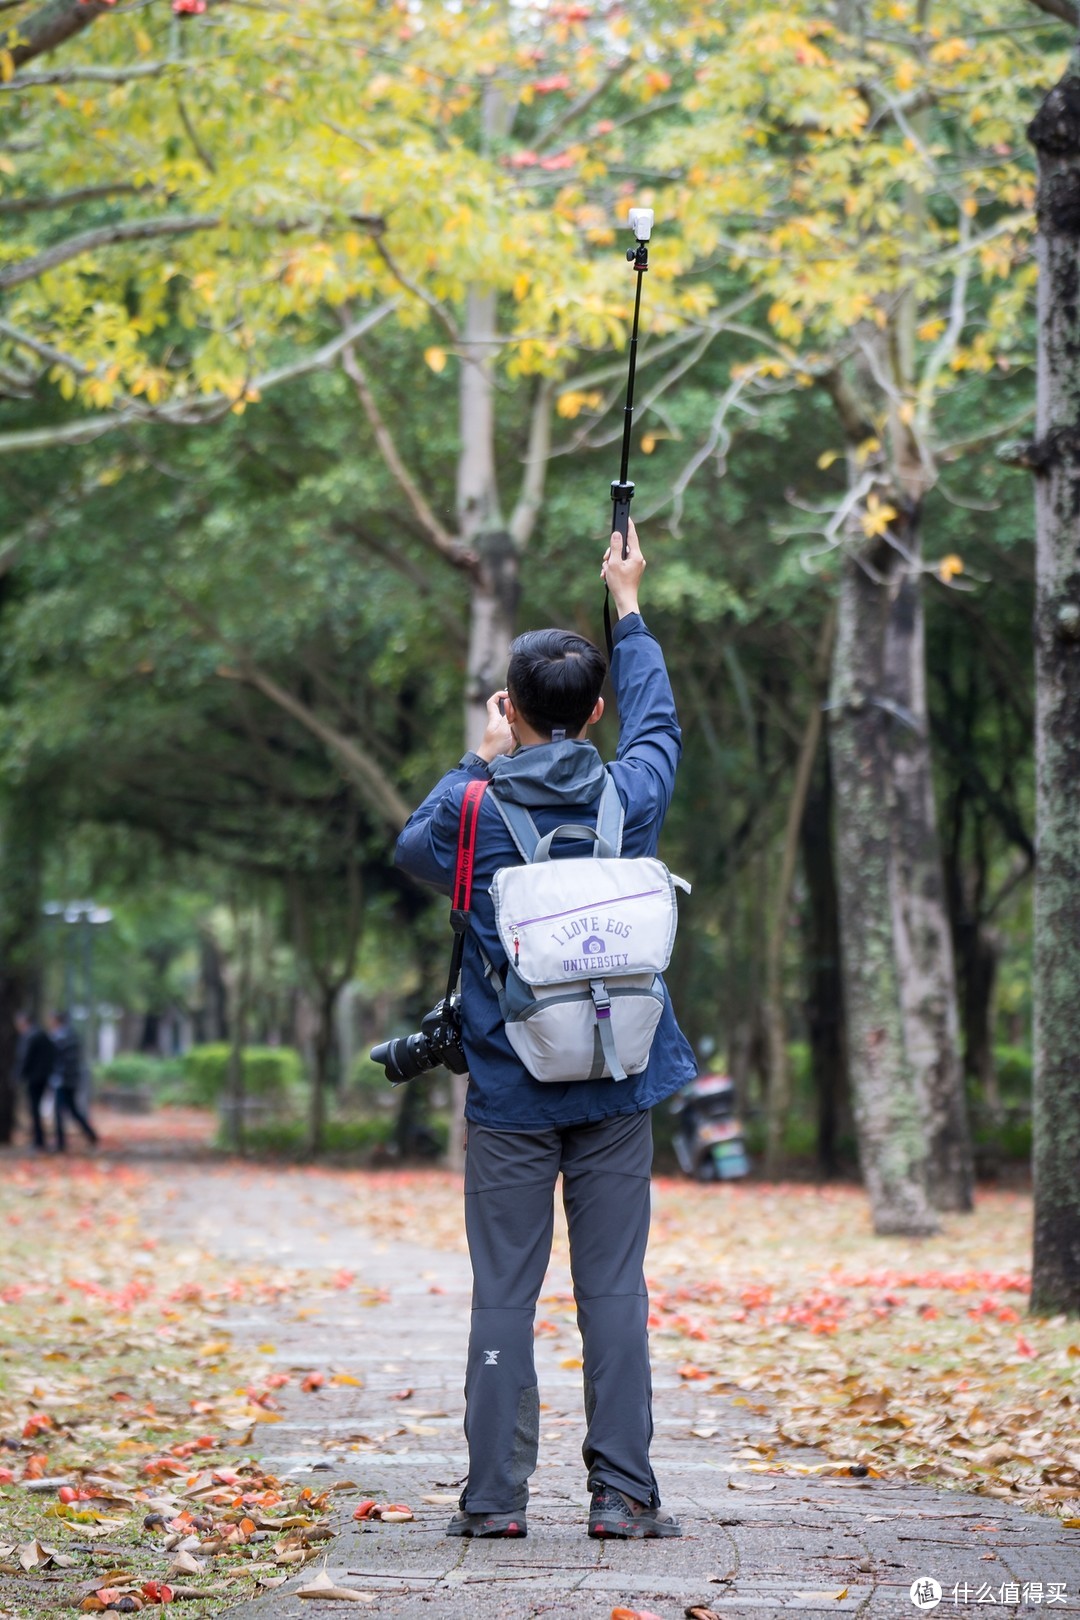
(1055, 457)
(888, 1105)
(923, 937)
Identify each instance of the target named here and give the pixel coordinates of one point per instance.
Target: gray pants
(509, 1187)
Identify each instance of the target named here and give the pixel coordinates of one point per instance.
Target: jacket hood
(550, 775)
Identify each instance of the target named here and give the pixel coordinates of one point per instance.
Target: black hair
(554, 679)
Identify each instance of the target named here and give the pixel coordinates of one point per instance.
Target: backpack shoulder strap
(611, 815)
(521, 827)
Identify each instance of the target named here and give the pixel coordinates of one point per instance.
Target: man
(68, 1080)
(36, 1064)
(521, 1133)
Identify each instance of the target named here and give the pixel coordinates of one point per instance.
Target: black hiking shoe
(511, 1526)
(614, 1515)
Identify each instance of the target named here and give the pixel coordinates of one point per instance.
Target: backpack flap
(559, 921)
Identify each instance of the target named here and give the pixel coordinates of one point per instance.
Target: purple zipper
(553, 916)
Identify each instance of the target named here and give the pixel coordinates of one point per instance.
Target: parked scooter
(709, 1141)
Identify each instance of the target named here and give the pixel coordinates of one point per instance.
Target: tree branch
(44, 351)
(55, 22)
(441, 314)
(66, 199)
(379, 794)
(142, 230)
(527, 507)
(855, 419)
(1067, 10)
(447, 544)
(184, 413)
(85, 75)
(555, 130)
(193, 135)
(72, 247)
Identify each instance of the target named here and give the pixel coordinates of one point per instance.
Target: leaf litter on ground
(899, 1358)
(126, 1414)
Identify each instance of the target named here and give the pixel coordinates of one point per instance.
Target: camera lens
(404, 1058)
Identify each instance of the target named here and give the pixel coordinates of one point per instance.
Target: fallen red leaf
(313, 1381)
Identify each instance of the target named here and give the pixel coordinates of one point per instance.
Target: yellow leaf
(827, 457)
(522, 283)
(7, 66)
(436, 359)
(648, 444)
(572, 403)
(347, 1378)
(970, 207)
(213, 1347)
(571, 1362)
(877, 516)
(949, 567)
(267, 1349)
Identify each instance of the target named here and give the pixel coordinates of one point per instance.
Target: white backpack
(586, 941)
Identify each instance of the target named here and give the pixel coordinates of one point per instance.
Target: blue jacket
(559, 782)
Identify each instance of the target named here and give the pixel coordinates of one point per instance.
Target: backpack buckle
(601, 999)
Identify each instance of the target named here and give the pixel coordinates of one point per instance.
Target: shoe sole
(631, 1530)
(514, 1530)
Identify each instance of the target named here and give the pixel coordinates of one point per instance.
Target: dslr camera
(438, 1040)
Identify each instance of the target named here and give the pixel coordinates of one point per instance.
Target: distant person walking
(37, 1063)
(67, 1078)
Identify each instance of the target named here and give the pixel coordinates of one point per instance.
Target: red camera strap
(466, 850)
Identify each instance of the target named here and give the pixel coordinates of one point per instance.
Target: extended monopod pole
(622, 490)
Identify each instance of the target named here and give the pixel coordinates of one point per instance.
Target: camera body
(438, 1041)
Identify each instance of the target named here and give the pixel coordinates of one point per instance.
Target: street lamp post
(81, 917)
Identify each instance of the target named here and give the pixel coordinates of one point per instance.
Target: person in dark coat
(36, 1064)
(67, 1078)
(521, 1133)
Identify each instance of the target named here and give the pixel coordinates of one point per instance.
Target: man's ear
(597, 712)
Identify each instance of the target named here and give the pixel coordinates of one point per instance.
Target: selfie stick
(622, 490)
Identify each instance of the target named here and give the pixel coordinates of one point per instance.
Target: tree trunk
(494, 592)
(778, 1094)
(493, 598)
(324, 1037)
(21, 856)
(824, 1008)
(923, 940)
(238, 1026)
(888, 1108)
(1055, 134)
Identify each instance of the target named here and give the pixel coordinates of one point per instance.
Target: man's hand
(498, 738)
(622, 575)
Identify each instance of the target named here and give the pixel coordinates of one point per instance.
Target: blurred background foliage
(203, 612)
